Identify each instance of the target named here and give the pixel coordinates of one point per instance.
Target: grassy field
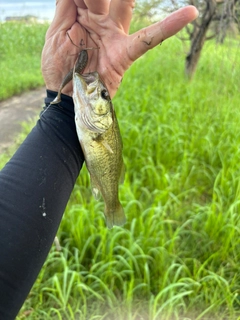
(20, 57)
(178, 255)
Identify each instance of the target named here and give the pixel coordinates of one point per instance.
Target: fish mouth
(83, 81)
(89, 77)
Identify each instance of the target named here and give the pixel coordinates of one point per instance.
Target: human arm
(35, 186)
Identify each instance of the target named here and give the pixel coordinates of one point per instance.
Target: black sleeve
(35, 186)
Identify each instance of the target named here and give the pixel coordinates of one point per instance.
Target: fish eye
(104, 94)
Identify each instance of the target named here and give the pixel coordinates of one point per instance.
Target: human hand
(102, 24)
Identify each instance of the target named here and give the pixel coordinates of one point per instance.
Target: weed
(177, 257)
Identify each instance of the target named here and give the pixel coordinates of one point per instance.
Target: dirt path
(15, 110)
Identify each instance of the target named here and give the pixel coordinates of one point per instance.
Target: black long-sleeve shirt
(35, 186)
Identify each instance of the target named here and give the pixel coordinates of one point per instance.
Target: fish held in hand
(100, 139)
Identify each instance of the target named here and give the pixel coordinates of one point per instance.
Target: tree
(215, 19)
(198, 34)
(221, 13)
(226, 18)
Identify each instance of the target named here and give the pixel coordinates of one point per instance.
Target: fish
(99, 135)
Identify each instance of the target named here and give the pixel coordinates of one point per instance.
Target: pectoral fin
(107, 146)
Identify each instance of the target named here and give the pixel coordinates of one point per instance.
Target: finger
(80, 4)
(121, 13)
(65, 16)
(97, 7)
(148, 38)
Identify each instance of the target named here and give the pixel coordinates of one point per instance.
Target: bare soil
(15, 110)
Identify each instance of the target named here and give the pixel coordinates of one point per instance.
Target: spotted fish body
(101, 142)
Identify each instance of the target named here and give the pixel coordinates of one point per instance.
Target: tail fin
(115, 217)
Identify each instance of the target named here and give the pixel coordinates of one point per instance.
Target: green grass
(20, 57)
(178, 255)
